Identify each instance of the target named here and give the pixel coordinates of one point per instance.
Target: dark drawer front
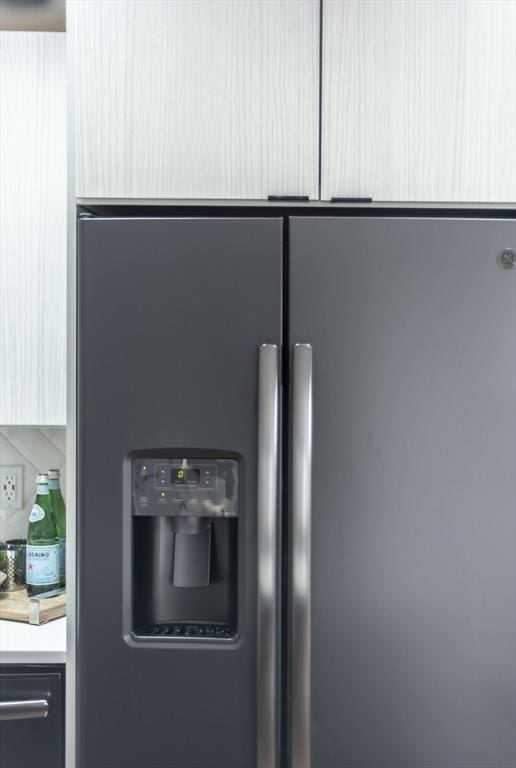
(35, 741)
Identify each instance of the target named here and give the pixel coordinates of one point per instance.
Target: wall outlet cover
(11, 487)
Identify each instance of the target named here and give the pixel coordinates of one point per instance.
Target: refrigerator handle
(268, 452)
(301, 553)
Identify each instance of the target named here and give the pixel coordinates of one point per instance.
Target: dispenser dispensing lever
(192, 551)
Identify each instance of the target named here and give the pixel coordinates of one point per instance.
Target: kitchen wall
(37, 449)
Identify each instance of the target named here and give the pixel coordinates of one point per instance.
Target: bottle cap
(53, 474)
(41, 479)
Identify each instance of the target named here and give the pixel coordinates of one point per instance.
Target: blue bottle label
(42, 564)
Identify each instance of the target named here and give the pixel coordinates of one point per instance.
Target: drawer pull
(23, 710)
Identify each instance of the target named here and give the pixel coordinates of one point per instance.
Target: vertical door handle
(301, 553)
(268, 452)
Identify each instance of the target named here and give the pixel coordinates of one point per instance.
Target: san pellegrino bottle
(42, 543)
(59, 511)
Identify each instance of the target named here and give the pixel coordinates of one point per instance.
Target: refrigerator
(296, 452)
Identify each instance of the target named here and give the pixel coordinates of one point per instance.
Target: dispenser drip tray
(185, 630)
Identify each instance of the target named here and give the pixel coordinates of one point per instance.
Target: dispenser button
(209, 475)
(162, 476)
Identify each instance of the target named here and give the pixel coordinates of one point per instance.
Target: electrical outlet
(11, 487)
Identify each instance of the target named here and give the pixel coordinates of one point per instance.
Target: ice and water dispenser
(184, 547)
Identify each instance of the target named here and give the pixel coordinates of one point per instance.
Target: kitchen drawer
(34, 741)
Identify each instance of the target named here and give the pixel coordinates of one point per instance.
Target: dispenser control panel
(185, 487)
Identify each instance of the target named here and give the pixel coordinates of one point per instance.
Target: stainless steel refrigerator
(296, 458)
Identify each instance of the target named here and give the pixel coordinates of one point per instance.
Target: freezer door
(404, 628)
(171, 317)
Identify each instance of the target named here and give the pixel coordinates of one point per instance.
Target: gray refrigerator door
(412, 324)
(171, 314)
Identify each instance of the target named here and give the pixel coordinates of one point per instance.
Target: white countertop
(22, 643)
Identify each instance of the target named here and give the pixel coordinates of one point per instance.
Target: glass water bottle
(42, 574)
(58, 508)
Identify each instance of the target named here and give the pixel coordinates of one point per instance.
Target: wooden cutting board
(17, 606)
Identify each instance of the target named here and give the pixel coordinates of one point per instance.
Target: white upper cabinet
(195, 98)
(419, 100)
(32, 228)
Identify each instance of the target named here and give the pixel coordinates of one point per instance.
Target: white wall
(37, 449)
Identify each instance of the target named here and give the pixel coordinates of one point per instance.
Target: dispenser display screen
(179, 476)
(182, 476)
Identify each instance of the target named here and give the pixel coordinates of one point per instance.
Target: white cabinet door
(195, 98)
(419, 100)
(32, 228)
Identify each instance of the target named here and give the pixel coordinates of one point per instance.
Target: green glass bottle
(59, 511)
(42, 543)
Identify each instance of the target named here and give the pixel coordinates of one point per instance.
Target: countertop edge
(32, 657)
(22, 643)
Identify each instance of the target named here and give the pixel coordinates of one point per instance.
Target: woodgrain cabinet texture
(195, 99)
(32, 228)
(419, 100)
(219, 99)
